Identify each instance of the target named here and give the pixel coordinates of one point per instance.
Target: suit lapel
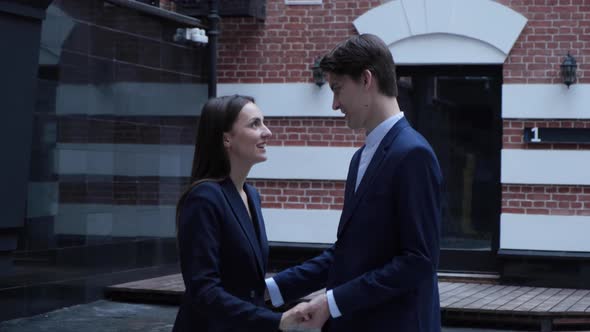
(241, 214)
(351, 182)
(259, 223)
(370, 173)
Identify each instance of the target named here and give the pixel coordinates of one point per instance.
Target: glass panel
(114, 129)
(458, 111)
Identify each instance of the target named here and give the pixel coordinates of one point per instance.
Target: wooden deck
(461, 302)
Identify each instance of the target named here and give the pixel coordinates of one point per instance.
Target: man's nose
(335, 104)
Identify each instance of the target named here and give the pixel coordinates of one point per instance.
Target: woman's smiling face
(247, 139)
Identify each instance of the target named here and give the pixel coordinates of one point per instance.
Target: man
(380, 275)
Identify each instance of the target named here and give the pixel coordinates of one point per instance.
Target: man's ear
(367, 78)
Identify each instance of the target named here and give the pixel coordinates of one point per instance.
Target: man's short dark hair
(361, 52)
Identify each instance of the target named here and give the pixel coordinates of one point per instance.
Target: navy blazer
(223, 258)
(382, 267)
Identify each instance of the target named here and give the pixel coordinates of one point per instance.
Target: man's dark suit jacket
(382, 267)
(223, 258)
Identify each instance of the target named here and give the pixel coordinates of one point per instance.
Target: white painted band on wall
(567, 167)
(311, 163)
(286, 99)
(545, 101)
(154, 99)
(301, 226)
(544, 232)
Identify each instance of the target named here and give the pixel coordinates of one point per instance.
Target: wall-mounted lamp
(195, 35)
(318, 74)
(568, 70)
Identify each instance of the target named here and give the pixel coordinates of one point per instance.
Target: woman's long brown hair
(210, 160)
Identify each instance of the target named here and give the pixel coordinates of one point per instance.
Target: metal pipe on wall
(213, 34)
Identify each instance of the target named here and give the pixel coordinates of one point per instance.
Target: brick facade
(282, 48)
(554, 28)
(317, 195)
(546, 200)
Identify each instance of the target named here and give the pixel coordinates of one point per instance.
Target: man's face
(351, 98)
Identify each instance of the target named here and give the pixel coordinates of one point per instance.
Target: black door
(458, 109)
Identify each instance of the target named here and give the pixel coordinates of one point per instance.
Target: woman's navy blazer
(223, 258)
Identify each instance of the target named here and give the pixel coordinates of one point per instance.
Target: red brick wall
(543, 199)
(301, 194)
(282, 48)
(546, 199)
(554, 27)
(313, 132)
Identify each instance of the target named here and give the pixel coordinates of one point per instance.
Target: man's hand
(317, 311)
(291, 320)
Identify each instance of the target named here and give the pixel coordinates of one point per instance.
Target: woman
(221, 234)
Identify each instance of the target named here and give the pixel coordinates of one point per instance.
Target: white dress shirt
(371, 143)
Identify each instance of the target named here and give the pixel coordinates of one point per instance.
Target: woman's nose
(266, 132)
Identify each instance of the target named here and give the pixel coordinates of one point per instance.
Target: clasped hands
(306, 316)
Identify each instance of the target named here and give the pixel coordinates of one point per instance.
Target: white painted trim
(282, 225)
(472, 22)
(154, 99)
(303, 2)
(303, 226)
(286, 99)
(321, 163)
(545, 101)
(302, 162)
(567, 167)
(450, 49)
(544, 232)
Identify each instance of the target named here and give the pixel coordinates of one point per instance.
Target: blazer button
(252, 294)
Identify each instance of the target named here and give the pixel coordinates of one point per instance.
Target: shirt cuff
(334, 311)
(274, 292)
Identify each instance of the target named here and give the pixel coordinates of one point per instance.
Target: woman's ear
(226, 141)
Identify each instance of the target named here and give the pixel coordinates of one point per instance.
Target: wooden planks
(470, 300)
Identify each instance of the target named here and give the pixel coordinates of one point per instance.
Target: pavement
(109, 316)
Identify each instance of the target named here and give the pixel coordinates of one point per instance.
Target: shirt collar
(377, 134)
